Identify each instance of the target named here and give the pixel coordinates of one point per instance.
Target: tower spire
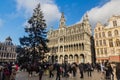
(62, 21)
(86, 23)
(85, 19)
(51, 29)
(62, 16)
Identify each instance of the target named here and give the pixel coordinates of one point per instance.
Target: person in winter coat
(81, 68)
(89, 69)
(109, 71)
(41, 70)
(51, 70)
(13, 74)
(74, 69)
(118, 71)
(58, 69)
(6, 73)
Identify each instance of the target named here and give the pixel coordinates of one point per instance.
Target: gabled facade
(7, 51)
(70, 43)
(107, 40)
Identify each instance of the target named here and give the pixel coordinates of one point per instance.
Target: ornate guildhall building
(7, 51)
(107, 40)
(70, 43)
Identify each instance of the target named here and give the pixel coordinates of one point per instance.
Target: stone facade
(107, 40)
(70, 43)
(7, 51)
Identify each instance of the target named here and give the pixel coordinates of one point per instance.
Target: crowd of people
(8, 71)
(66, 69)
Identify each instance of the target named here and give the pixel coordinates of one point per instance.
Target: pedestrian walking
(81, 69)
(6, 73)
(58, 72)
(74, 70)
(51, 71)
(89, 69)
(41, 70)
(13, 74)
(109, 71)
(65, 67)
(102, 70)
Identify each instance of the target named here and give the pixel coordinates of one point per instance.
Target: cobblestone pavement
(95, 76)
(24, 76)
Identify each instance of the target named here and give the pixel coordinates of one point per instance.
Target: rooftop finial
(9, 38)
(62, 16)
(62, 21)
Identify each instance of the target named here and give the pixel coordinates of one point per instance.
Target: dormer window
(99, 28)
(116, 32)
(109, 34)
(103, 34)
(114, 23)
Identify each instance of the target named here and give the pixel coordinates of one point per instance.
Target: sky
(14, 14)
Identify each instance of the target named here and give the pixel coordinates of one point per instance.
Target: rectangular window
(98, 51)
(100, 42)
(103, 34)
(101, 51)
(104, 42)
(100, 35)
(110, 42)
(96, 43)
(105, 50)
(114, 23)
(96, 35)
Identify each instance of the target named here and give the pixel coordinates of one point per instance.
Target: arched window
(114, 23)
(116, 32)
(109, 34)
(61, 39)
(96, 43)
(97, 51)
(110, 42)
(105, 51)
(104, 42)
(117, 42)
(100, 42)
(99, 35)
(61, 48)
(101, 51)
(82, 46)
(96, 36)
(103, 34)
(99, 28)
(79, 47)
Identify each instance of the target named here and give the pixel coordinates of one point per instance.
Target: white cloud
(49, 8)
(103, 13)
